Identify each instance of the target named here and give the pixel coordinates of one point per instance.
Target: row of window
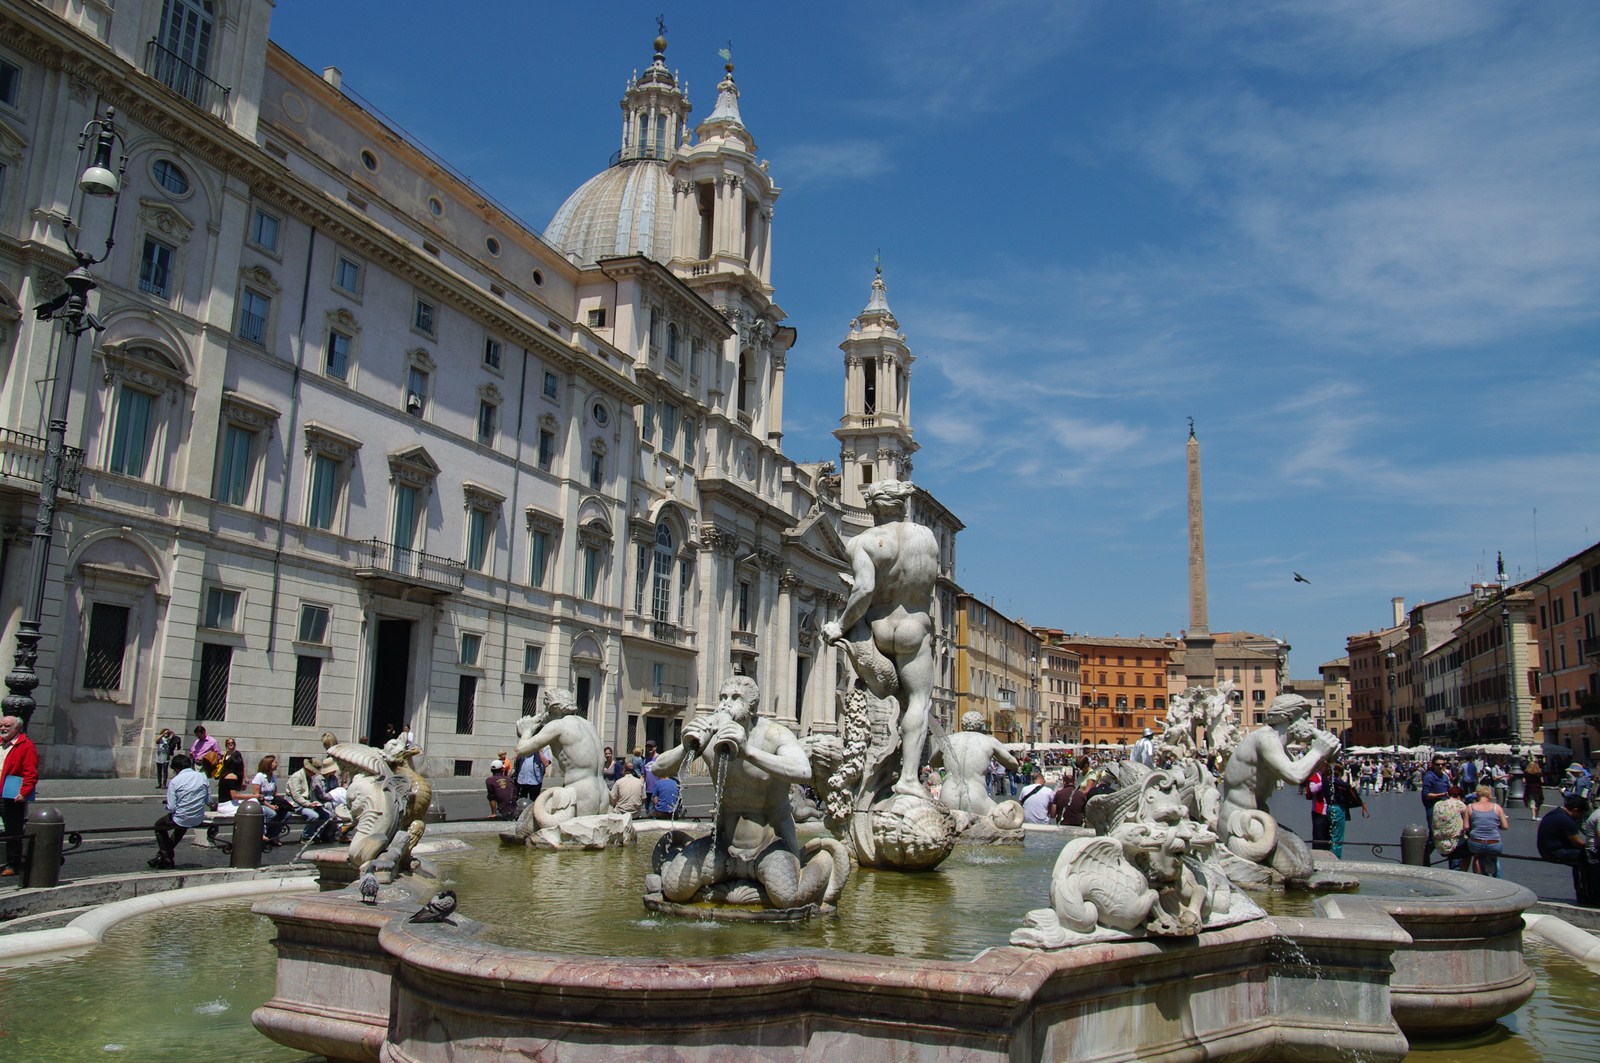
(664, 338)
(327, 475)
(108, 643)
(670, 422)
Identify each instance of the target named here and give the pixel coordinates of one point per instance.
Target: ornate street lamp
(71, 309)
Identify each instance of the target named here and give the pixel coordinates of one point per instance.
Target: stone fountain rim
(1004, 972)
(1477, 894)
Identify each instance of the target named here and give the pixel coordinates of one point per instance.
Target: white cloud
(950, 62)
(841, 161)
(1448, 198)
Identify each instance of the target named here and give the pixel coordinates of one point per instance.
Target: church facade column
(793, 712)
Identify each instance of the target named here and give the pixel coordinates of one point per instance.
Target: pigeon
(1300, 579)
(437, 910)
(369, 888)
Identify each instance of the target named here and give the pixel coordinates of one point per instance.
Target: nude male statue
(1261, 761)
(755, 831)
(575, 747)
(894, 566)
(966, 757)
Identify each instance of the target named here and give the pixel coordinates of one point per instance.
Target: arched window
(661, 586)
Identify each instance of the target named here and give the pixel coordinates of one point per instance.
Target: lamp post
(1513, 725)
(71, 309)
(1033, 698)
(1094, 705)
(1394, 709)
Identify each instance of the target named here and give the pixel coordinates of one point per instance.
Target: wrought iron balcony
(22, 457)
(182, 77)
(385, 562)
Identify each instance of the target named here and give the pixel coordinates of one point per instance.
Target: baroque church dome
(627, 208)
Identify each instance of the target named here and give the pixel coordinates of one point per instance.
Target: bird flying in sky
(1300, 579)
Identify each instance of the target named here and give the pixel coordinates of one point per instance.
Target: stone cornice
(38, 34)
(657, 279)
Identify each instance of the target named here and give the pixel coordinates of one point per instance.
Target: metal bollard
(48, 831)
(435, 812)
(1414, 845)
(248, 823)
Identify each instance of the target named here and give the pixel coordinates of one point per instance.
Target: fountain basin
(1464, 967)
(450, 996)
(361, 983)
(1435, 953)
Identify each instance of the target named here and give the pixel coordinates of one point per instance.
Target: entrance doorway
(391, 674)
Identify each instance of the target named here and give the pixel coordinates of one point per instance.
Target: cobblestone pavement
(136, 803)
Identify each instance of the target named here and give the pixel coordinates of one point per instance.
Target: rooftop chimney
(1399, 605)
(332, 76)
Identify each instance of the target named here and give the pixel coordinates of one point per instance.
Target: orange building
(1124, 686)
(1568, 635)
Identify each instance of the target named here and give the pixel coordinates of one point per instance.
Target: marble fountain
(1139, 942)
(896, 927)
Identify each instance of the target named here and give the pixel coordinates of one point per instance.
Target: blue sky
(1358, 242)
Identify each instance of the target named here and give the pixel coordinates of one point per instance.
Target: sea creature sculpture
(575, 746)
(1149, 871)
(388, 801)
(1266, 853)
(752, 855)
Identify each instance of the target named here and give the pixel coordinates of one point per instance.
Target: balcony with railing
(400, 570)
(744, 641)
(22, 458)
(187, 80)
(665, 697)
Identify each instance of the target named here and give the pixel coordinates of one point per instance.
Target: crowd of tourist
(209, 780)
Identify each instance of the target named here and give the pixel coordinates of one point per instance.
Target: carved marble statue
(1148, 872)
(576, 814)
(871, 787)
(1204, 715)
(388, 801)
(752, 855)
(1258, 764)
(886, 628)
(965, 757)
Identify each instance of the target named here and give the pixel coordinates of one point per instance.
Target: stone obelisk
(1199, 652)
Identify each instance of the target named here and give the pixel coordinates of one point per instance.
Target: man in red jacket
(19, 775)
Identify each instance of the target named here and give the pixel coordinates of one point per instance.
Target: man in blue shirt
(187, 797)
(530, 775)
(1435, 788)
(666, 798)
